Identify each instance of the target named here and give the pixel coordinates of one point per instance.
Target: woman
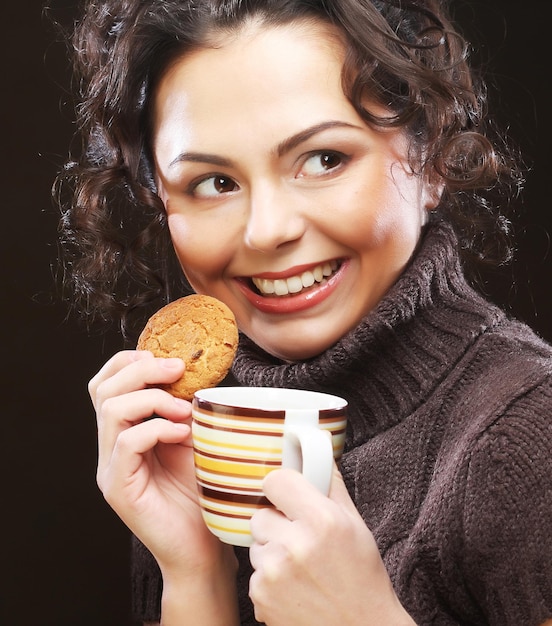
(319, 167)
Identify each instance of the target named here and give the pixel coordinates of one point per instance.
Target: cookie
(200, 330)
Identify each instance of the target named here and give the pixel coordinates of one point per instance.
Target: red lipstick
(293, 303)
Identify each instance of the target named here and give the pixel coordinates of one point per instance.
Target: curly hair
(403, 54)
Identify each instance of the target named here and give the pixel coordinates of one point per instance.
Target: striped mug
(240, 434)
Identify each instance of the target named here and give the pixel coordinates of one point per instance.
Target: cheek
(182, 237)
(364, 219)
(383, 218)
(201, 249)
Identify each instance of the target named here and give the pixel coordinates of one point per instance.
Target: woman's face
(281, 201)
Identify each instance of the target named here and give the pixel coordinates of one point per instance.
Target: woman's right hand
(145, 466)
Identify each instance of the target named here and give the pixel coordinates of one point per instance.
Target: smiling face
(281, 201)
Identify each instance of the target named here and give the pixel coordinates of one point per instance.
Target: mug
(240, 434)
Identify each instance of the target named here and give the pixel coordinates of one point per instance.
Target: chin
(298, 341)
(294, 351)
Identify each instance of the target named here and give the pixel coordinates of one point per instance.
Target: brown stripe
(338, 431)
(213, 407)
(225, 514)
(237, 417)
(336, 413)
(202, 482)
(236, 498)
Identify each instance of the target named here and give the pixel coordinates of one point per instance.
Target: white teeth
(265, 286)
(281, 288)
(307, 279)
(294, 284)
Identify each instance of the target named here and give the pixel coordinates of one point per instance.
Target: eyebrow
(295, 140)
(201, 157)
(283, 147)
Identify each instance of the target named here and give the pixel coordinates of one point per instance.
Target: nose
(274, 219)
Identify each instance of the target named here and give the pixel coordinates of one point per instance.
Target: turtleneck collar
(394, 359)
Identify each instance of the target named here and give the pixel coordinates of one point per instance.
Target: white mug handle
(308, 449)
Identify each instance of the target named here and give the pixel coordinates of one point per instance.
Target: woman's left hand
(315, 560)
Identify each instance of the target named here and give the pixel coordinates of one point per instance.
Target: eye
(213, 186)
(320, 163)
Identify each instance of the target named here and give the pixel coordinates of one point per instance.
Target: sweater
(448, 448)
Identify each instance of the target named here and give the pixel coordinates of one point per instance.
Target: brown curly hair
(404, 54)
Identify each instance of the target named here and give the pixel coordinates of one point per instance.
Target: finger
(122, 412)
(290, 492)
(114, 365)
(132, 408)
(267, 523)
(138, 374)
(272, 532)
(131, 445)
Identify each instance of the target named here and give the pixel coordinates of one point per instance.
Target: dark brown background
(63, 552)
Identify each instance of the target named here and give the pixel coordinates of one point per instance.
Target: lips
(302, 289)
(295, 284)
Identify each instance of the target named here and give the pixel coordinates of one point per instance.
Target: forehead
(256, 43)
(273, 79)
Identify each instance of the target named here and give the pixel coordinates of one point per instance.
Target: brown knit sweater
(449, 448)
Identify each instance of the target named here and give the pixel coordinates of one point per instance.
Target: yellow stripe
(227, 529)
(231, 509)
(236, 446)
(232, 468)
(235, 486)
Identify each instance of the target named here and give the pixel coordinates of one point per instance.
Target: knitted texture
(448, 452)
